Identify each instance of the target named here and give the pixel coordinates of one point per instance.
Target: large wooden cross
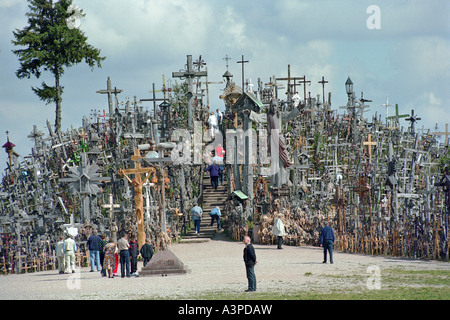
(446, 133)
(110, 91)
(138, 184)
(369, 143)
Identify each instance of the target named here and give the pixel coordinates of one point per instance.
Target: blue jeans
(250, 269)
(197, 225)
(328, 246)
(215, 217)
(94, 256)
(124, 263)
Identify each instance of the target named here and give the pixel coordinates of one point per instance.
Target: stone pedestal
(164, 263)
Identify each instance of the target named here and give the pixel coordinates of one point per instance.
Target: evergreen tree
(52, 42)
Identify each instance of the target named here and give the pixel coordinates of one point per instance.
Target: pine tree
(52, 43)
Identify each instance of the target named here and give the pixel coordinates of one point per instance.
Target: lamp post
(349, 88)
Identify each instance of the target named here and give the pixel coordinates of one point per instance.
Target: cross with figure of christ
(138, 184)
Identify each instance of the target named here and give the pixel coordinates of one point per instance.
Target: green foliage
(48, 44)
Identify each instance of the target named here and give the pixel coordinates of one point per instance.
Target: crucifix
(154, 99)
(109, 91)
(242, 61)
(369, 143)
(138, 183)
(189, 74)
(446, 133)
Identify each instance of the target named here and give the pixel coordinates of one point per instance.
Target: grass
(396, 284)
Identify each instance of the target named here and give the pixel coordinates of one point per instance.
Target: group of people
(215, 122)
(197, 213)
(105, 255)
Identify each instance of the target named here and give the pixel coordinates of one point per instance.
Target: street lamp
(349, 86)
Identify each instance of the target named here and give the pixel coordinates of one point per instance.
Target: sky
(398, 50)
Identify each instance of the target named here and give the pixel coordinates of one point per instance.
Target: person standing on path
(124, 253)
(250, 262)
(147, 252)
(279, 230)
(94, 251)
(327, 241)
(109, 260)
(214, 174)
(60, 255)
(70, 247)
(197, 218)
(134, 252)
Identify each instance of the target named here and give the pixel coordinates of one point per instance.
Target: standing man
(94, 250)
(197, 213)
(327, 240)
(70, 247)
(134, 252)
(279, 230)
(250, 262)
(219, 117)
(60, 255)
(146, 252)
(123, 247)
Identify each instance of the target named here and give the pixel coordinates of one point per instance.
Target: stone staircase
(211, 199)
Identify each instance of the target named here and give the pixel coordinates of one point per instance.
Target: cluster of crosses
(384, 188)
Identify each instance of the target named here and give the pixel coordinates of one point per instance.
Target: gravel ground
(216, 266)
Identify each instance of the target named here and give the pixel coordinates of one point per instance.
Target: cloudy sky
(405, 58)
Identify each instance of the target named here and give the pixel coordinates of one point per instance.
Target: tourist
(279, 230)
(124, 252)
(70, 247)
(219, 117)
(250, 262)
(94, 251)
(134, 252)
(146, 251)
(212, 122)
(215, 215)
(219, 157)
(197, 218)
(101, 248)
(327, 240)
(109, 260)
(60, 255)
(214, 174)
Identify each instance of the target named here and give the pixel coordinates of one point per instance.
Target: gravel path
(216, 266)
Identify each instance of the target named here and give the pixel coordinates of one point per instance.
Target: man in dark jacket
(327, 240)
(134, 252)
(146, 252)
(214, 174)
(94, 250)
(250, 262)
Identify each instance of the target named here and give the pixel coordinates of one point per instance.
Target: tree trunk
(58, 101)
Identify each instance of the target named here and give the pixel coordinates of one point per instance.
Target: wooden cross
(323, 89)
(138, 184)
(109, 91)
(446, 133)
(189, 74)
(242, 62)
(369, 143)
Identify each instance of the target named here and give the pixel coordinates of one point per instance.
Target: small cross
(226, 59)
(370, 143)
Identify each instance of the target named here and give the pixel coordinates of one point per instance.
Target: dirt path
(216, 266)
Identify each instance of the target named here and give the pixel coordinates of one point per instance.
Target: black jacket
(147, 251)
(249, 255)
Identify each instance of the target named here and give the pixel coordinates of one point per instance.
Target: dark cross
(109, 91)
(189, 74)
(304, 82)
(242, 62)
(323, 88)
(226, 59)
(413, 119)
(154, 99)
(288, 79)
(199, 63)
(446, 133)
